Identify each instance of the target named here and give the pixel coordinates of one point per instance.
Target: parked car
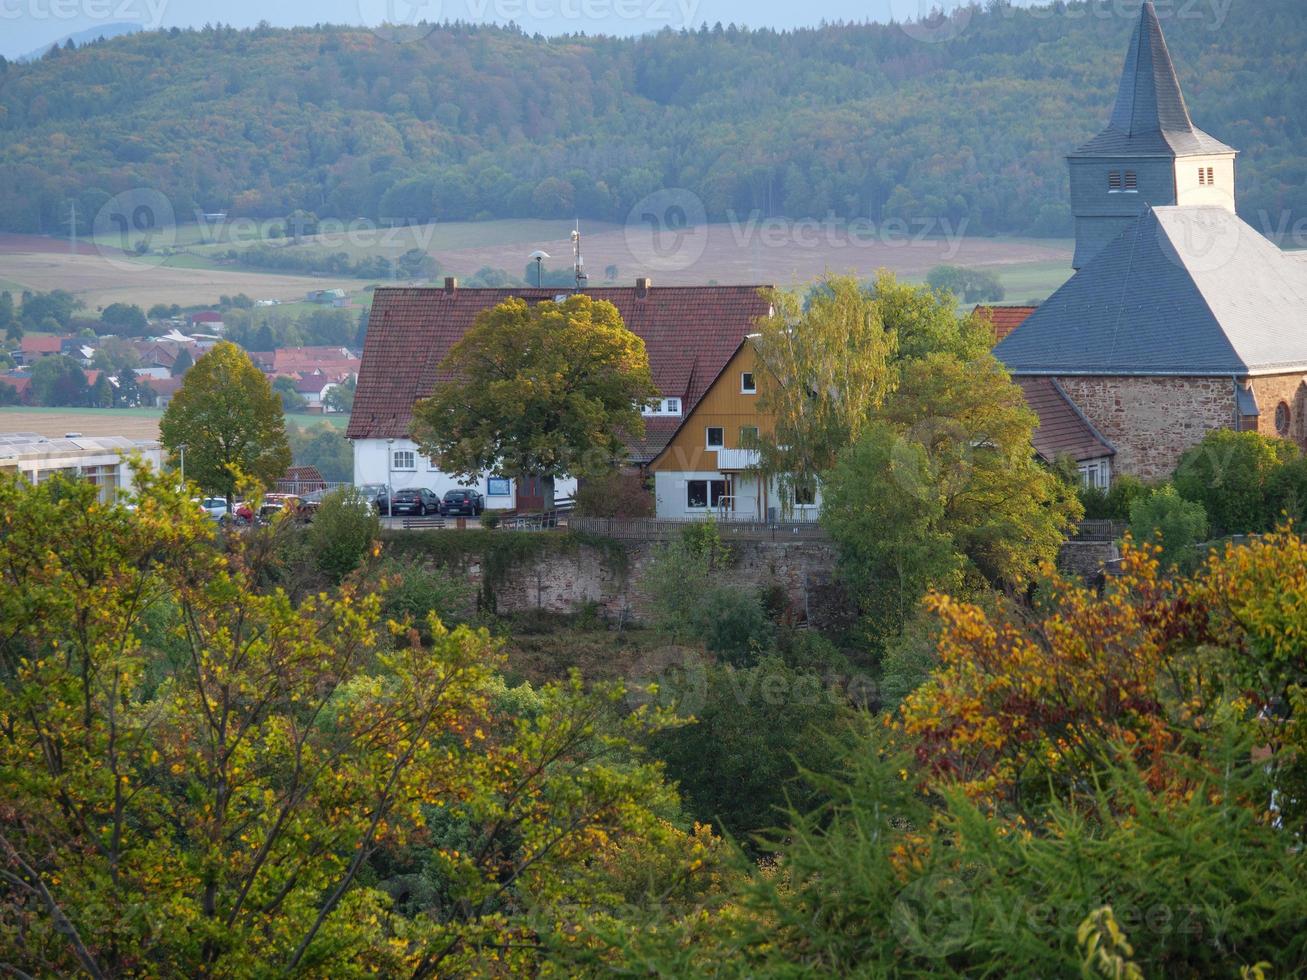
(215, 507)
(467, 503)
(417, 500)
(371, 491)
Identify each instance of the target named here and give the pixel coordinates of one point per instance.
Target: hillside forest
(472, 122)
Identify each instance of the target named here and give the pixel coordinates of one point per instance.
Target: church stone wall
(1291, 389)
(1152, 421)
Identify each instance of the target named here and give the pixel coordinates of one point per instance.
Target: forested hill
(862, 120)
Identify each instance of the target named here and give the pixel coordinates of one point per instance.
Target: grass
(1032, 281)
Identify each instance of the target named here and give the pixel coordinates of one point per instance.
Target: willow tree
(828, 361)
(545, 391)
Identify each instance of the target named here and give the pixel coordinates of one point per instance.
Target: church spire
(1150, 116)
(1150, 99)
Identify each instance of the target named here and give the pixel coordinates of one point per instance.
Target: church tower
(1150, 155)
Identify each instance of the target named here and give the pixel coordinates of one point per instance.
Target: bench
(423, 523)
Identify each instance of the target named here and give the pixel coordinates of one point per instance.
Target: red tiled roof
(1063, 429)
(161, 386)
(1005, 318)
(690, 332)
(292, 360)
(41, 345)
(20, 384)
(304, 478)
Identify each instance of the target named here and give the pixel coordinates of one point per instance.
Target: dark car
(418, 501)
(467, 503)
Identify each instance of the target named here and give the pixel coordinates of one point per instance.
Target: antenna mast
(581, 277)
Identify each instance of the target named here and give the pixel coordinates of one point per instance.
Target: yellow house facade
(707, 468)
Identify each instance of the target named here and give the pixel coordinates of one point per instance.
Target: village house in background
(1181, 317)
(709, 466)
(690, 333)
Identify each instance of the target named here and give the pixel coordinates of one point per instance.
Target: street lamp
(182, 450)
(539, 257)
(390, 492)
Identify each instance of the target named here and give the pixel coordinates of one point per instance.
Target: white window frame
(397, 467)
(672, 406)
(1096, 474)
(707, 436)
(748, 383)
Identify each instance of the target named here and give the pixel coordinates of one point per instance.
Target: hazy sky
(26, 25)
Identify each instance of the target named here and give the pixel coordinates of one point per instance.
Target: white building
(103, 460)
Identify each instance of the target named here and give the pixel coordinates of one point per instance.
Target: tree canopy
(230, 422)
(545, 390)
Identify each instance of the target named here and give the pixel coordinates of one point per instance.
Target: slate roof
(1004, 318)
(1150, 117)
(690, 332)
(1063, 429)
(1185, 291)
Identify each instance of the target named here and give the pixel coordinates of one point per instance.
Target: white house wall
(370, 467)
(672, 499)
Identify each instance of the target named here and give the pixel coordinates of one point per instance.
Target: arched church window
(1283, 419)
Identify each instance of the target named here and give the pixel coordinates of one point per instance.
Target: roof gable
(1063, 429)
(1150, 116)
(690, 333)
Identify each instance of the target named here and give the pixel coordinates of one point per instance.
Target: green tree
(824, 369)
(9, 322)
(100, 394)
(340, 397)
(968, 285)
(1177, 525)
(546, 390)
(324, 446)
(125, 319)
(115, 355)
(291, 399)
(183, 363)
(229, 420)
(756, 729)
(343, 529)
(944, 491)
(58, 381)
(56, 306)
(1230, 473)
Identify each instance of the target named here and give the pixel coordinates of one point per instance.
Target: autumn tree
(547, 390)
(230, 422)
(198, 777)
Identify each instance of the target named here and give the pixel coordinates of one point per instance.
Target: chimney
(642, 288)
(451, 285)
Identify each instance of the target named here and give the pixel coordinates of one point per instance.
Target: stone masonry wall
(563, 582)
(1291, 389)
(1152, 421)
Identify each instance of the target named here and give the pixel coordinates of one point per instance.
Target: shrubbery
(343, 530)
